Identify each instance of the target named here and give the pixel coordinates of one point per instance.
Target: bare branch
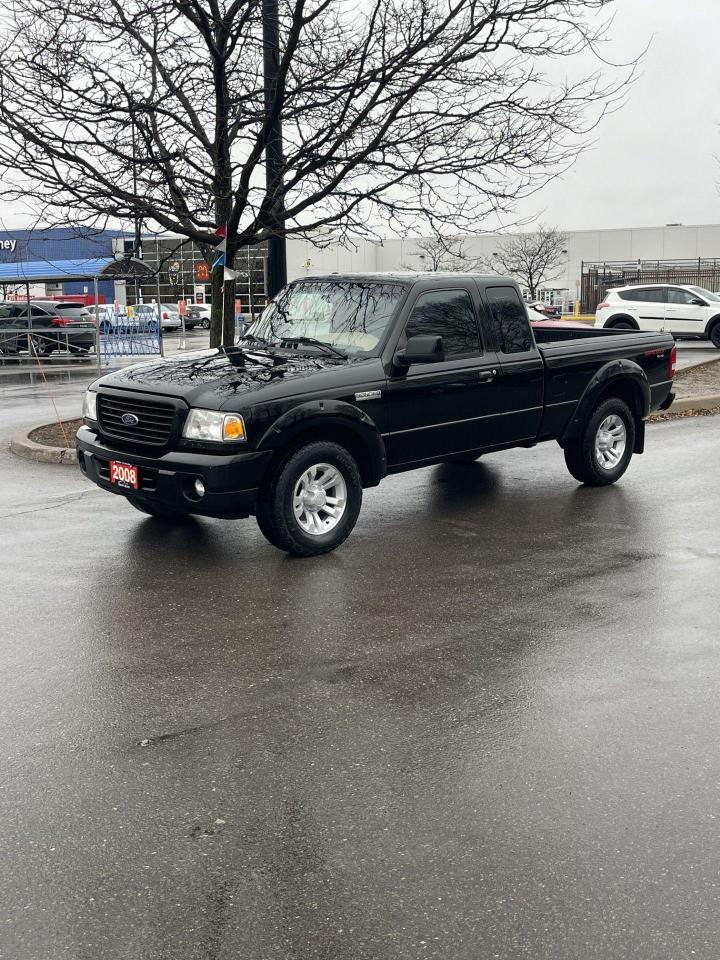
(405, 116)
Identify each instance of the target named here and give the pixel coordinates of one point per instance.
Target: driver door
(438, 409)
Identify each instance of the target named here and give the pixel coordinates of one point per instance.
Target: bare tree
(438, 253)
(532, 258)
(395, 113)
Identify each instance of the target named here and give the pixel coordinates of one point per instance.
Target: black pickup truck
(345, 379)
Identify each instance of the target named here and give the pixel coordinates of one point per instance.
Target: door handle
(485, 376)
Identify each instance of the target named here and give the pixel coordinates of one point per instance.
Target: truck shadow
(454, 487)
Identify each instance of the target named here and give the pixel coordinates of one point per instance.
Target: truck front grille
(154, 419)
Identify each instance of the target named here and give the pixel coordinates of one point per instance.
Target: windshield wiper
(254, 339)
(312, 342)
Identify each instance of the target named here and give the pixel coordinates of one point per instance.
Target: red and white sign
(202, 272)
(124, 475)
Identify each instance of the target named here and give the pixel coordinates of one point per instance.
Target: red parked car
(551, 311)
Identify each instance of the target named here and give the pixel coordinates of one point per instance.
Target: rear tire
(622, 325)
(39, 347)
(311, 501)
(158, 510)
(602, 452)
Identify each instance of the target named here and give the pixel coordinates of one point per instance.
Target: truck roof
(405, 276)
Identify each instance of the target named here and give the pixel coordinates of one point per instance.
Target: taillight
(165, 316)
(672, 362)
(601, 306)
(60, 321)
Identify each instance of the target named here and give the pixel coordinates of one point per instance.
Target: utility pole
(274, 160)
(137, 222)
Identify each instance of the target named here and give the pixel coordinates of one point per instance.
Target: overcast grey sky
(655, 161)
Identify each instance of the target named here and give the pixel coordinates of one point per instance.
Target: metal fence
(133, 332)
(22, 346)
(112, 333)
(598, 278)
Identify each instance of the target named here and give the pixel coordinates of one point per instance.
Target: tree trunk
(216, 311)
(229, 309)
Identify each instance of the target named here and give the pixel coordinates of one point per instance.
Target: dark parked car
(52, 326)
(200, 314)
(343, 380)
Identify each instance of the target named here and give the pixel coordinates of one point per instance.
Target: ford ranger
(346, 379)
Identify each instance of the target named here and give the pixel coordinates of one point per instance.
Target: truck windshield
(348, 315)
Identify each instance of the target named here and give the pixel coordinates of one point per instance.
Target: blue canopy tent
(55, 271)
(93, 269)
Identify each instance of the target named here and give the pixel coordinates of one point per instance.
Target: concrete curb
(22, 446)
(682, 404)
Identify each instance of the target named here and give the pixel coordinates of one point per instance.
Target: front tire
(715, 335)
(158, 510)
(311, 501)
(602, 452)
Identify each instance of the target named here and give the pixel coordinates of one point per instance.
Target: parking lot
(485, 727)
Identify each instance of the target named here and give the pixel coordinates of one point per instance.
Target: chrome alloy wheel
(319, 499)
(610, 442)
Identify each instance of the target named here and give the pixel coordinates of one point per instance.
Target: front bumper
(231, 481)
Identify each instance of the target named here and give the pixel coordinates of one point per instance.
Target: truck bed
(573, 354)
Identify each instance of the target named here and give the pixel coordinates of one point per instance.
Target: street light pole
(137, 222)
(274, 160)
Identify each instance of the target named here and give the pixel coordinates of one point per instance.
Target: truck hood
(214, 378)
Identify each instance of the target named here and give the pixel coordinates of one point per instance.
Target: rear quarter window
(643, 295)
(509, 319)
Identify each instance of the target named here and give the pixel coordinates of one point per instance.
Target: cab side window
(510, 320)
(450, 315)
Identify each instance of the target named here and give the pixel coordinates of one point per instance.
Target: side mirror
(424, 349)
(698, 303)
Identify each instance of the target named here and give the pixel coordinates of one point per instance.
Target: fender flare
(616, 371)
(316, 414)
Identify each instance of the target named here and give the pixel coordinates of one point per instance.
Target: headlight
(215, 426)
(90, 405)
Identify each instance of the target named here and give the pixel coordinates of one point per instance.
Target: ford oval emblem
(130, 420)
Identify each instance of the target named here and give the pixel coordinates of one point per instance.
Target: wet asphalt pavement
(486, 727)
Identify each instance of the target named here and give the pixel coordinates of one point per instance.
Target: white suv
(684, 311)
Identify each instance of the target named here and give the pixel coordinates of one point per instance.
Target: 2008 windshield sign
(8, 245)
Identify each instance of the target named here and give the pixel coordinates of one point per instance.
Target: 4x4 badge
(368, 395)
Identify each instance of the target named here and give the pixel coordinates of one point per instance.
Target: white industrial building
(671, 242)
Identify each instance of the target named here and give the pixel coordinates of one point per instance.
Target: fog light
(200, 488)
